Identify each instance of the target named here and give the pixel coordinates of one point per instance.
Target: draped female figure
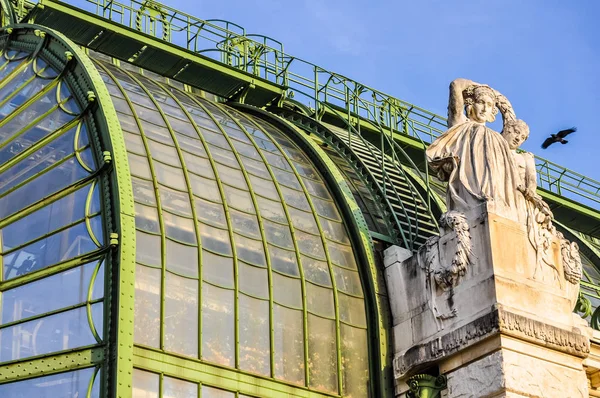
(475, 160)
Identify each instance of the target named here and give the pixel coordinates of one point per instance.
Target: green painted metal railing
(265, 57)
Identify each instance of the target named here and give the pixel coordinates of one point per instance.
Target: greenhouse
(176, 226)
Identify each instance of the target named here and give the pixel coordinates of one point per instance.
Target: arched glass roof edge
(117, 197)
(359, 233)
(301, 119)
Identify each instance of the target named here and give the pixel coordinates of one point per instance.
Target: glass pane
(246, 224)
(288, 179)
(154, 132)
(215, 239)
(347, 281)
(145, 384)
(143, 191)
(246, 150)
(309, 244)
(54, 292)
(253, 280)
(280, 164)
(182, 259)
(223, 156)
(284, 261)
(181, 315)
(287, 290)
(170, 176)
(319, 300)
(254, 335)
(289, 344)
(147, 306)
(278, 234)
(231, 176)
(62, 212)
(69, 384)
(209, 392)
(138, 166)
(295, 198)
(52, 181)
(355, 360)
(322, 354)
(266, 145)
(33, 134)
(217, 269)
(316, 188)
(198, 163)
(215, 139)
(352, 310)
(175, 201)
(316, 271)
(334, 230)
(193, 145)
(264, 187)
(250, 250)
(164, 153)
(212, 213)
(326, 209)
(341, 255)
(134, 143)
(256, 167)
(179, 228)
(63, 331)
(47, 156)
(304, 220)
(273, 210)
(61, 246)
(177, 124)
(238, 199)
(175, 388)
(146, 218)
(147, 249)
(205, 188)
(218, 342)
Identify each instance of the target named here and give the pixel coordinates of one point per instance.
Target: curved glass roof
(52, 220)
(243, 259)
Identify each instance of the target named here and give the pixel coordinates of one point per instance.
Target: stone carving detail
(474, 159)
(571, 260)
(532, 330)
(447, 277)
(497, 321)
(482, 166)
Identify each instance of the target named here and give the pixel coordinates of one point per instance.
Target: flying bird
(558, 137)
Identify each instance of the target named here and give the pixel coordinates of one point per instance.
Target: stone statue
(482, 166)
(538, 214)
(475, 160)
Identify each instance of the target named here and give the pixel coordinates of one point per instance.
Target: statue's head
(480, 104)
(515, 132)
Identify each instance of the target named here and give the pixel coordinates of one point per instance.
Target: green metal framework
(333, 95)
(56, 159)
(363, 132)
(175, 130)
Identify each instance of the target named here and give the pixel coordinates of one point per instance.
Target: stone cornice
(498, 321)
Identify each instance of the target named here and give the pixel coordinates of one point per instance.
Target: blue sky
(544, 55)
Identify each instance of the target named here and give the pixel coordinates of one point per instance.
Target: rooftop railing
(306, 82)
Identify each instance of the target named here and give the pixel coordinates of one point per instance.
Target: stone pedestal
(503, 328)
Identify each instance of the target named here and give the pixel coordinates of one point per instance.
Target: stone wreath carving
(445, 275)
